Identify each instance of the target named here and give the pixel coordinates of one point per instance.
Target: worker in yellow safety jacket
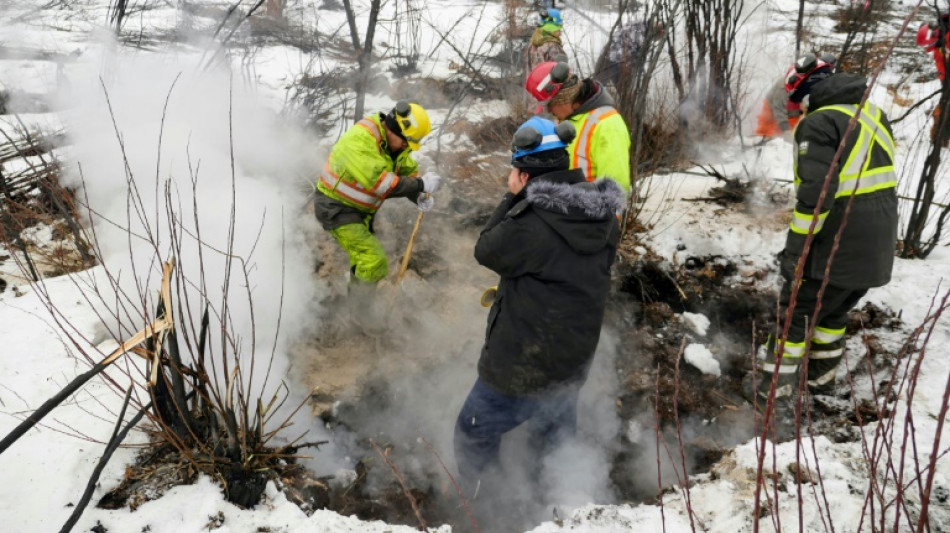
(368, 164)
(602, 146)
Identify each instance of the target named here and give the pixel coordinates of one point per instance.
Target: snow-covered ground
(166, 89)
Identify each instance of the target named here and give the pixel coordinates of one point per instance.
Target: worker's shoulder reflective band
(856, 175)
(802, 221)
(354, 192)
(372, 128)
(580, 158)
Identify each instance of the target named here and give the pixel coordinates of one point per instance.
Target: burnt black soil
(647, 308)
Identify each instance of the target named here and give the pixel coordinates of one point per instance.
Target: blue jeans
(488, 414)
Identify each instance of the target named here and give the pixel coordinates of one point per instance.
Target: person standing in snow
(624, 56)
(782, 107)
(601, 148)
(552, 240)
(545, 44)
(933, 38)
(368, 164)
(862, 187)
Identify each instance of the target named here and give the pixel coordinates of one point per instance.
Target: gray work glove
(430, 182)
(425, 202)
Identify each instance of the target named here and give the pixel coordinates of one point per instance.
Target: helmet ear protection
(556, 78)
(409, 121)
(560, 73)
(528, 138)
(565, 131)
(402, 112)
(806, 63)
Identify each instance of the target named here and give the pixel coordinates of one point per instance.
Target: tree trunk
(364, 52)
(798, 27)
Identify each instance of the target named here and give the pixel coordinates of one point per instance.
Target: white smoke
(181, 162)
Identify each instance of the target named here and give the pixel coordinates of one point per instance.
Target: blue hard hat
(540, 135)
(552, 16)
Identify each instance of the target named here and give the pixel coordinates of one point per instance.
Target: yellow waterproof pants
(367, 257)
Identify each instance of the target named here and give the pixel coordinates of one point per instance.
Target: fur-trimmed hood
(552, 245)
(583, 213)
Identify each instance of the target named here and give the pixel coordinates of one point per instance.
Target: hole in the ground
(699, 415)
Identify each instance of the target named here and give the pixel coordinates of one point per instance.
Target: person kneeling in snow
(552, 239)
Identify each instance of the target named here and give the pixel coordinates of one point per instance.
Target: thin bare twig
(402, 483)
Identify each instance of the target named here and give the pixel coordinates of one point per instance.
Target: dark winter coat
(553, 246)
(865, 255)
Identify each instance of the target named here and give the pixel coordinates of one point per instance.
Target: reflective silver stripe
(870, 121)
(827, 336)
(855, 177)
(826, 354)
(782, 369)
(868, 182)
(824, 379)
(794, 350)
(579, 158)
(350, 192)
(549, 139)
(372, 127)
(385, 185)
(802, 221)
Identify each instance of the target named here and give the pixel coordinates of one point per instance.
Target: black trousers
(828, 340)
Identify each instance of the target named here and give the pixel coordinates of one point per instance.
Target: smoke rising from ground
(168, 155)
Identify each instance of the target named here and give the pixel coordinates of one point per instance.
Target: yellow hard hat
(413, 122)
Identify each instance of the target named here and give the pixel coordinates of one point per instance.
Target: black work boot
(760, 382)
(822, 365)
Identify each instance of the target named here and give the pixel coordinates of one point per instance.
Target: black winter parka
(552, 245)
(865, 255)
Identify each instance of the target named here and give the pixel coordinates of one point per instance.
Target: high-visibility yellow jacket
(360, 171)
(602, 145)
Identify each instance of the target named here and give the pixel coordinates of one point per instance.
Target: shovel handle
(412, 240)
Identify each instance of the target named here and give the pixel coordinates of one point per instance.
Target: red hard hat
(546, 80)
(927, 37)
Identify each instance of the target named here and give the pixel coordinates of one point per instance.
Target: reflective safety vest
(580, 155)
(856, 175)
(346, 188)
